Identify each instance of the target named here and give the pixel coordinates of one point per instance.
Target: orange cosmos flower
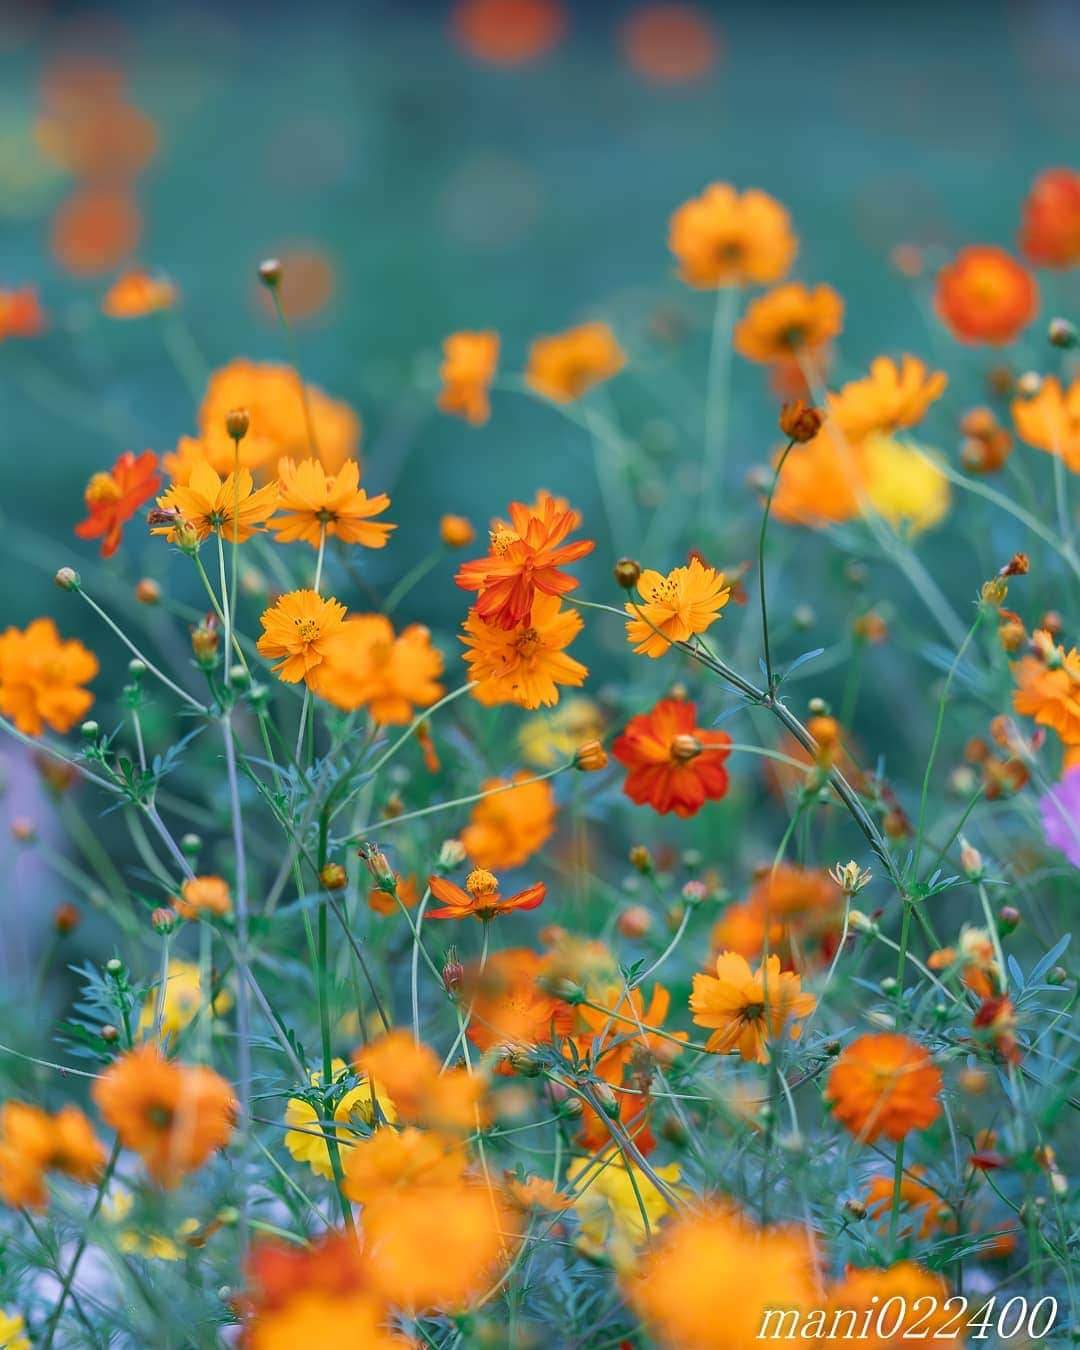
(1050, 230)
(884, 1083)
(175, 1116)
(524, 665)
(509, 824)
(112, 498)
(481, 898)
(713, 1258)
(686, 601)
(856, 1301)
(468, 368)
(892, 396)
(307, 1295)
(727, 238)
(95, 230)
(317, 503)
(1048, 687)
(1051, 420)
(914, 1195)
(523, 558)
(674, 764)
(21, 315)
(298, 629)
(508, 32)
(33, 1142)
(788, 320)
(136, 294)
(984, 295)
(820, 483)
(367, 666)
(413, 1077)
(41, 677)
(669, 44)
(203, 895)
(231, 507)
(510, 1008)
(748, 1009)
(567, 365)
(802, 907)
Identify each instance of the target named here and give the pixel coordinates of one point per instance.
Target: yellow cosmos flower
(684, 602)
(314, 502)
(610, 1201)
(211, 505)
(183, 999)
(903, 484)
(358, 1105)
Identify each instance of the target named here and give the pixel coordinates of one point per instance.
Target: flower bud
(90, 731)
(23, 829)
(110, 1034)
(634, 922)
(606, 1100)
(136, 668)
(889, 985)
(333, 877)
(641, 859)
(378, 868)
(451, 855)
(1058, 975)
(456, 531)
(1028, 384)
(694, 892)
(270, 273)
(68, 579)
(800, 422)
(239, 678)
(147, 591)
(627, 572)
(1008, 920)
(66, 918)
(204, 642)
(971, 862)
(190, 845)
(855, 1208)
(685, 747)
(237, 421)
(114, 966)
(453, 972)
(1061, 333)
(590, 757)
(163, 921)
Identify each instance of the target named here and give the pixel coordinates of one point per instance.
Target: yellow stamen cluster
(480, 883)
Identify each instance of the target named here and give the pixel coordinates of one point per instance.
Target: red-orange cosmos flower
(984, 295)
(674, 764)
(1050, 230)
(884, 1084)
(112, 498)
(480, 898)
(524, 557)
(21, 314)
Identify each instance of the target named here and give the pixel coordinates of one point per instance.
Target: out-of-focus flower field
(539, 688)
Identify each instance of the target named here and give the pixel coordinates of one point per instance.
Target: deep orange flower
(1050, 230)
(232, 507)
(468, 368)
(203, 895)
(524, 557)
(918, 1301)
(789, 320)
(422, 1092)
(136, 294)
(1051, 420)
(674, 765)
(884, 1084)
(508, 32)
(984, 295)
(298, 629)
(112, 498)
(820, 484)
(686, 601)
(1048, 688)
(95, 230)
(565, 366)
(524, 665)
(509, 824)
(727, 238)
(802, 907)
(915, 1195)
(749, 1009)
(33, 1142)
(367, 666)
(315, 503)
(510, 1009)
(891, 397)
(174, 1115)
(669, 44)
(41, 678)
(711, 1275)
(21, 315)
(481, 898)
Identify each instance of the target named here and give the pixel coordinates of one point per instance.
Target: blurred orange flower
(422, 1092)
(674, 765)
(21, 315)
(906, 1287)
(892, 396)
(524, 557)
(727, 238)
(508, 32)
(528, 664)
(172, 1114)
(1048, 687)
(297, 629)
(884, 1084)
(315, 504)
(95, 230)
(41, 678)
(136, 294)
(306, 287)
(686, 601)
(113, 497)
(820, 484)
(1050, 420)
(509, 823)
(468, 368)
(510, 1008)
(368, 666)
(984, 295)
(567, 365)
(1050, 230)
(669, 44)
(33, 1142)
(481, 898)
(203, 895)
(914, 1195)
(788, 320)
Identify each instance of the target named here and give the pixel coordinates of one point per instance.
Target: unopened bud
(694, 892)
(606, 1099)
(627, 573)
(590, 757)
(270, 273)
(190, 844)
(453, 972)
(855, 1208)
(110, 1034)
(204, 642)
(971, 861)
(333, 877)
(641, 859)
(634, 922)
(89, 731)
(163, 921)
(147, 591)
(1008, 920)
(237, 421)
(378, 868)
(451, 855)
(889, 985)
(67, 579)
(66, 918)
(1058, 975)
(1028, 384)
(685, 747)
(1061, 333)
(800, 422)
(114, 966)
